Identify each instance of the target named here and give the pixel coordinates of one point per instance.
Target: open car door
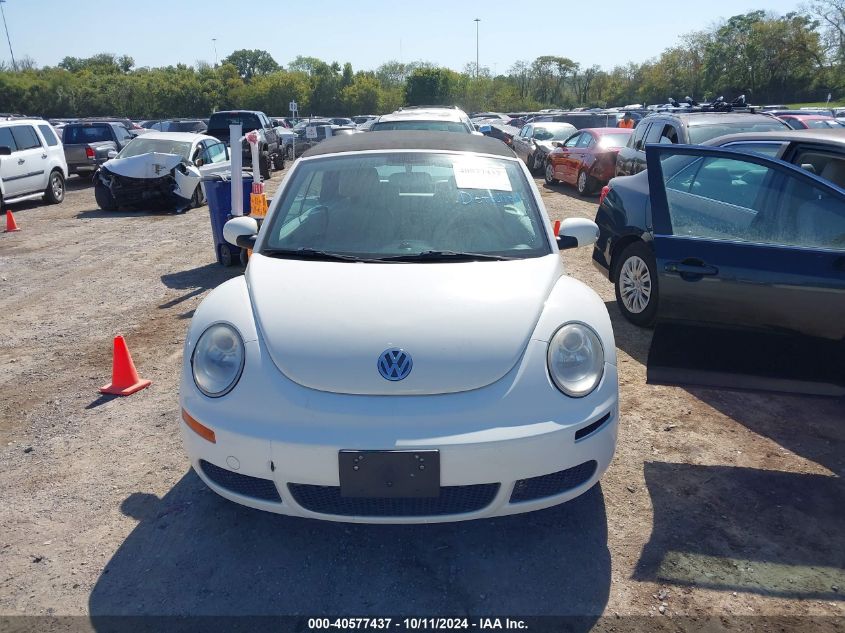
(750, 255)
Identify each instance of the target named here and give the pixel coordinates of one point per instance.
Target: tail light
(89, 152)
(604, 191)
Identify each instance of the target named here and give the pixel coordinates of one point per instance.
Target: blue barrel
(218, 192)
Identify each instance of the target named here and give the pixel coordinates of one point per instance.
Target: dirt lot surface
(718, 504)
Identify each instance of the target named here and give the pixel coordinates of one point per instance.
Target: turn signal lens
(203, 431)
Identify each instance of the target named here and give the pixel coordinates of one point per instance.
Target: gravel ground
(718, 503)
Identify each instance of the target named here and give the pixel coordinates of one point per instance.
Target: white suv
(434, 118)
(32, 161)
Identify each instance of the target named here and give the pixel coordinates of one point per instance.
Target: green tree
(252, 62)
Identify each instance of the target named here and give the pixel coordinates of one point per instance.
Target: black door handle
(691, 268)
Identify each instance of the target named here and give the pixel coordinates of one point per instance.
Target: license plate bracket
(389, 474)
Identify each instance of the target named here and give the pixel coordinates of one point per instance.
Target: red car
(587, 159)
(809, 121)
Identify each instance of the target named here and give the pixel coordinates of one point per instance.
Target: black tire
(225, 255)
(197, 199)
(548, 174)
(628, 272)
(585, 184)
(55, 191)
(278, 161)
(105, 200)
(532, 163)
(264, 165)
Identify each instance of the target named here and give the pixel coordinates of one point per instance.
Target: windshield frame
(533, 203)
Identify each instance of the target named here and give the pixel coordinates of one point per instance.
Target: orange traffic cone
(11, 225)
(124, 378)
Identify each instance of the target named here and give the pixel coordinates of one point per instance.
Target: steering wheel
(490, 236)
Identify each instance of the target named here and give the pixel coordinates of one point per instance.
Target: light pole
(14, 65)
(214, 43)
(477, 20)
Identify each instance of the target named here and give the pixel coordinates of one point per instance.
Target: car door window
(742, 201)
(573, 140)
(49, 136)
(717, 198)
(217, 153)
(668, 135)
(25, 137)
(654, 132)
(123, 134)
(527, 131)
(585, 141)
(638, 138)
(825, 164)
(6, 139)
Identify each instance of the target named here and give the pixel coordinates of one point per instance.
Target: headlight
(575, 359)
(218, 360)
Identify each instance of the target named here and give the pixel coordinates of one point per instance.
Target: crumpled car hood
(151, 165)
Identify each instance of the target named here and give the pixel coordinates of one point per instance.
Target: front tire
(550, 174)
(105, 199)
(636, 284)
(264, 165)
(197, 199)
(55, 191)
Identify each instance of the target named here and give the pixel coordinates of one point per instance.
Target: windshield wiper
(310, 253)
(442, 256)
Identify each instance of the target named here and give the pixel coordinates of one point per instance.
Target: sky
(365, 33)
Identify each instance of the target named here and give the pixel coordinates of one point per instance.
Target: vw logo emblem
(395, 364)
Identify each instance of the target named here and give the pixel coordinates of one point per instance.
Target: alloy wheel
(635, 284)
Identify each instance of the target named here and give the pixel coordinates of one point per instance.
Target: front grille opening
(452, 500)
(553, 484)
(255, 487)
(580, 434)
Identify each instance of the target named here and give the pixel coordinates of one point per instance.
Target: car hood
(150, 165)
(465, 325)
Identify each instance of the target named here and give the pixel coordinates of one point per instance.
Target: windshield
(86, 134)
(143, 145)
(552, 132)
(822, 123)
(412, 204)
(437, 126)
(222, 121)
(700, 133)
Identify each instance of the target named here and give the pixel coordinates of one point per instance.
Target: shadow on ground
(633, 340)
(743, 529)
(194, 553)
(196, 281)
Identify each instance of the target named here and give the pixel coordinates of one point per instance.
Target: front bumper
(513, 446)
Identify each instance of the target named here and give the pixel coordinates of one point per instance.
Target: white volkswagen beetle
(404, 346)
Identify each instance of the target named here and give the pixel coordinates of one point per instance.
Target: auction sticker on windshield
(481, 175)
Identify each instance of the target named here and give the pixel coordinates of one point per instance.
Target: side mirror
(199, 162)
(557, 144)
(575, 232)
(5, 150)
(112, 154)
(242, 231)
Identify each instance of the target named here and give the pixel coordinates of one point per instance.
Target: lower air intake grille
(452, 500)
(254, 487)
(553, 484)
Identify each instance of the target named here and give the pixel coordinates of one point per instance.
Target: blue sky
(159, 33)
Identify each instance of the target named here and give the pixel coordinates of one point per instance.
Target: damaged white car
(160, 169)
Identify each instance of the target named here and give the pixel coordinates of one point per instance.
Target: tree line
(770, 58)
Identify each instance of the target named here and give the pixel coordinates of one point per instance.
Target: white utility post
(294, 110)
(236, 156)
